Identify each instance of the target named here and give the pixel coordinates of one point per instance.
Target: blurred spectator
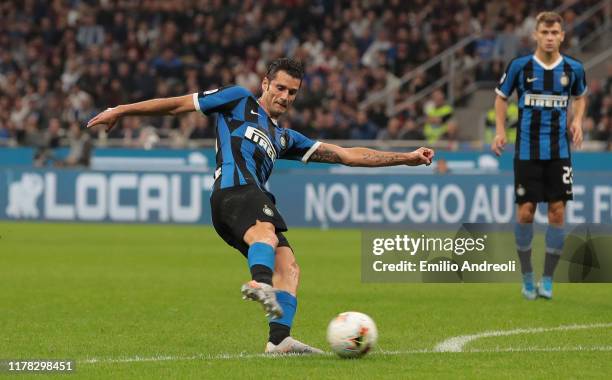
(442, 166)
(144, 83)
(201, 128)
(438, 113)
(608, 83)
(50, 140)
(512, 114)
(363, 128)
(168, 64)
(452, 131)
(72, 59)
(81, 147)
(589, 133)
(506, 44)
(596, 97)
(89, 33)
(377, 52)
(392, 131)
(411, 131)
(604, 130)
(485, 48)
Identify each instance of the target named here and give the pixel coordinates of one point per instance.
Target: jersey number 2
(567, 175)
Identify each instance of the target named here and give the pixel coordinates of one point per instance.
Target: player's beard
(281, 108)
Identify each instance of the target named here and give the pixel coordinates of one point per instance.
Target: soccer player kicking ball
(544, 82)
(249, 140)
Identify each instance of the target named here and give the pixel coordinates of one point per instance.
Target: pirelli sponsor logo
(552, 101)
(261, 139)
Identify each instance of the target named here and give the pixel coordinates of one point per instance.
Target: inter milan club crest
(268, 211)
(564, 80)
(283, 142)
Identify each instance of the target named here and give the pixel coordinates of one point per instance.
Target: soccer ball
(352, 334)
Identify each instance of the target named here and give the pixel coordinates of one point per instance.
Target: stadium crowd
(61, 62)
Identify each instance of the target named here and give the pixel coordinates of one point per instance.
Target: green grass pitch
(132, 301)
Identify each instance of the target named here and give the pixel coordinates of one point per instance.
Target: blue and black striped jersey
(543, 94)
(248, 140)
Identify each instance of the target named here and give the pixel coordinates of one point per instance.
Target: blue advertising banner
(304, 198)
(73, 195)
(204, 160)
(352, 200)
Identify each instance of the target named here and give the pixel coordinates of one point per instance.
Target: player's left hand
(422, 156)
(108, 117)
(576, 131)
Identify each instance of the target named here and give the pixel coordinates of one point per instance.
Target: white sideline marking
(163, 358)
(138, 359)
(507, 349)
(455, 344)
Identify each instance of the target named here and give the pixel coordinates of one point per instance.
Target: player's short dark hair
(291, 66)
(549, 19)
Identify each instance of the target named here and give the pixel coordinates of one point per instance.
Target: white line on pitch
(456, 344)
(163, 358)
(507, 349)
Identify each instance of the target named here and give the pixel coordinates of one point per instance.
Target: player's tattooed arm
(366, 157)
(327, 153)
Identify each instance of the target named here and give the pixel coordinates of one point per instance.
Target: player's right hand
(499, 144)
(422, 156)
(108, 117)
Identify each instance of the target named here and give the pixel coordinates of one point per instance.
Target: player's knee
(555, 217)
(268, 237)
(556, 213)
(525, 218)
(261, 232)
(526, 214)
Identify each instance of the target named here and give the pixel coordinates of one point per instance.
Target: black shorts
(543, 180)
(235, 209)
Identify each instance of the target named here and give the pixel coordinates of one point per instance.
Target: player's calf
(285, 280)
(555, 236)
(262, 241)
(523, 234)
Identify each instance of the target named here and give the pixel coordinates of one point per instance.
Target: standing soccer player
(249, 140)
(544, 82)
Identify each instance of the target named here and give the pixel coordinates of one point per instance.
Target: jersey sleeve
(507, 83)
(219, 100)
(299, 147)
(579, 87)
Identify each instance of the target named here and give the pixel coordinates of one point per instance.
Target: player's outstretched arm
(366, 157)
(499, 141)
(163, 106)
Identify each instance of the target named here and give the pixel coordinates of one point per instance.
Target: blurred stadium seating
(375, 70)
